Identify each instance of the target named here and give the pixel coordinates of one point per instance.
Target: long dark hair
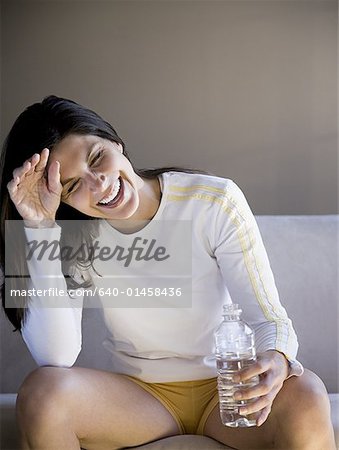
(42, 125)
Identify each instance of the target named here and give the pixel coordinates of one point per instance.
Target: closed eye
(97, 157)
(71, 188)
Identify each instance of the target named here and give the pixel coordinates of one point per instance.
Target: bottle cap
(231, 309)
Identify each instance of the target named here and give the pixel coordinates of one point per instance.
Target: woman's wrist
(284, 361)
(44, 223)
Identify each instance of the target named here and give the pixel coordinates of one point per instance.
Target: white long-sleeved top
(160, 344)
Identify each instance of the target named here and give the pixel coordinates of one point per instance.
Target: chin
(131, 211)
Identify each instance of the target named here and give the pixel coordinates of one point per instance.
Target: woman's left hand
(272, 368)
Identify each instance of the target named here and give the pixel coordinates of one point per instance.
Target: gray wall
(245, 89)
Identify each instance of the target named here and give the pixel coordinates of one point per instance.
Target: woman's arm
(52, 331)
(244, 264)
(245, 267)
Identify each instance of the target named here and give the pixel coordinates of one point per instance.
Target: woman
(62, 161)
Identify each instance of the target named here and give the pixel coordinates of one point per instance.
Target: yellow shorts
(189, 402)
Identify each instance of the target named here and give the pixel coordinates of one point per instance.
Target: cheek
(116, 162)
(79, 199)
(112, 164)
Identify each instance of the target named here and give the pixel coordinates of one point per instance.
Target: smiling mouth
(114, 197)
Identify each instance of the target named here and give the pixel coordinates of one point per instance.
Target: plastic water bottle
(235, 349)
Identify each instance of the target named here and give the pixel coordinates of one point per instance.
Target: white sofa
(303, 251)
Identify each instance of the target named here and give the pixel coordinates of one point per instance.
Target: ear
(120, 148)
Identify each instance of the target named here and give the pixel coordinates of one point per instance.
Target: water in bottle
(235, 349)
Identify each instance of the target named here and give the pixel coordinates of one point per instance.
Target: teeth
(108, 199)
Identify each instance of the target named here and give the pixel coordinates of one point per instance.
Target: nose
(96, 181)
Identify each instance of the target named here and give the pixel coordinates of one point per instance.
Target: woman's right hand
(34, 191)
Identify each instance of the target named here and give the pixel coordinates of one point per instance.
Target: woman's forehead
(75, 143)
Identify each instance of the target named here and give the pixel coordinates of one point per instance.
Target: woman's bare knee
(308, 394)
(43, 395)
(58, 396)
(42, 409)
(303, 413)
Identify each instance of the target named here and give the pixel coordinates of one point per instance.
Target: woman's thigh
(102, 408)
